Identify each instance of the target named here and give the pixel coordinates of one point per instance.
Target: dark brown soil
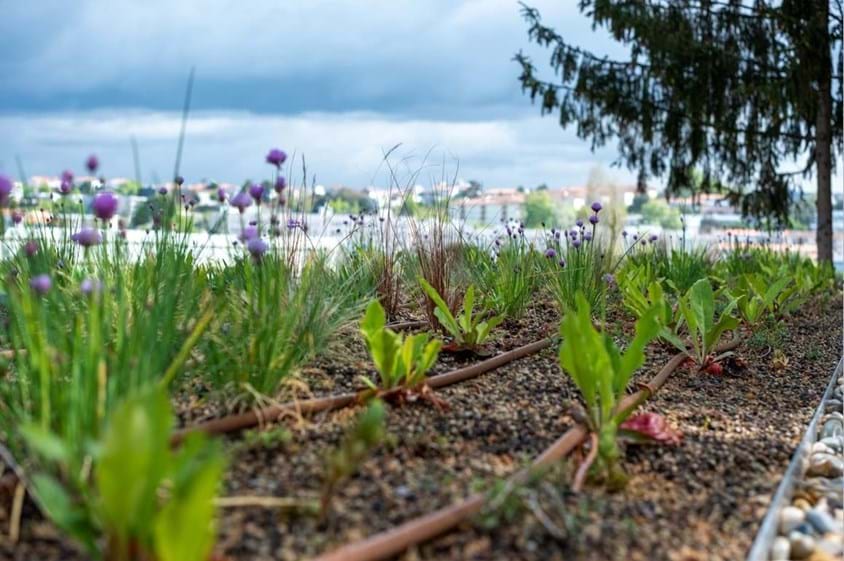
(700, 500)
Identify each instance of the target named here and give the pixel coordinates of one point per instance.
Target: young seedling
(697, 307)
(400, 361)
(468, 331)
(367, 433)
(144, 501)
(756, 297)
(601, 373)
(639, 300)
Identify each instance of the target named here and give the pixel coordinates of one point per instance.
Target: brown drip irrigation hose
(431, 525)
(252, 418)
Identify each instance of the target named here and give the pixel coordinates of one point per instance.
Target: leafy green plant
(144, 501)
(367, 433)
(756, 297)
(601, 372)
(399, 360)
(640, 299)
(697, 307)
(468, 330)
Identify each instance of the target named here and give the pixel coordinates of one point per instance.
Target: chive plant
(579, 261)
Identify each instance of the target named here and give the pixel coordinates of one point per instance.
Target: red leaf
(654, 427)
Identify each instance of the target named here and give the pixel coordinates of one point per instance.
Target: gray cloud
(342, 148)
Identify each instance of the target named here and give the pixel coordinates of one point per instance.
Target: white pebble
(790, 518)
(780, 549)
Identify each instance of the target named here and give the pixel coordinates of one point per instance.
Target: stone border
(763, 545)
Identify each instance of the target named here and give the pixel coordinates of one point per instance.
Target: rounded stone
(790, 518)
(821, 447)
(801, 545)
(802, 504)
(780, 549)
(821, 521)
(825, 465)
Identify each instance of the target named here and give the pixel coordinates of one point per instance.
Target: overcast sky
(339, 82)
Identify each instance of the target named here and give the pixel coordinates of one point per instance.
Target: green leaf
(185, 528)
(133, 463)
(442, 312)
(45, 443)
(64, 511)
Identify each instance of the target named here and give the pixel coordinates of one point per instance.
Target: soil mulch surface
(339, 369)
(700, 500)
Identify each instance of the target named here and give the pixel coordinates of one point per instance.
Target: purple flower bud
(104, 205)
(30, 248)
(17, 216)
(179, 180)
(221, 195)
(86, 237)
(90, 286)
(67, 176)
(596, 207)
(562, 262)
(624, 233)
(65, 187)
(256, 192)
(241, 201)
(41, 284)
(573, 232)
(162, 190)
(609, 279)
(654, 237)
(92, 163)
(5, 189)
(292, 224)
(550, 253)
(257, 247)
(276, 157)
(575, 243)
(593, 219)
(579, 223)
(280, 184)
(249, 233)
(587, 237)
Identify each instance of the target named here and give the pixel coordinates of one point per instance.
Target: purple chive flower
(30, 248)
(179, 180)
(66, 187)
(5, 189)
(256, 192)
(162, 190)
(624, 233)
(41, 284)
(280, 184)
(276, 157)
(579, 223)
(249, 233)
(550, 253)
(90, 286)
(292, 224)
(573, 232)
(654, 237)
(92, 163)
(105, 205)
(596, 207)
(562, 262)
(587, 237)
(17, 216)
(241, 201)
(575, 243)
(222, 195)
(86, 237)
(67, 176)
(257, 247)
(593, 219)
(609, 279)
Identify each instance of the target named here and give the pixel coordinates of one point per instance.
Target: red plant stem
(252, 418)
(417, 530)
